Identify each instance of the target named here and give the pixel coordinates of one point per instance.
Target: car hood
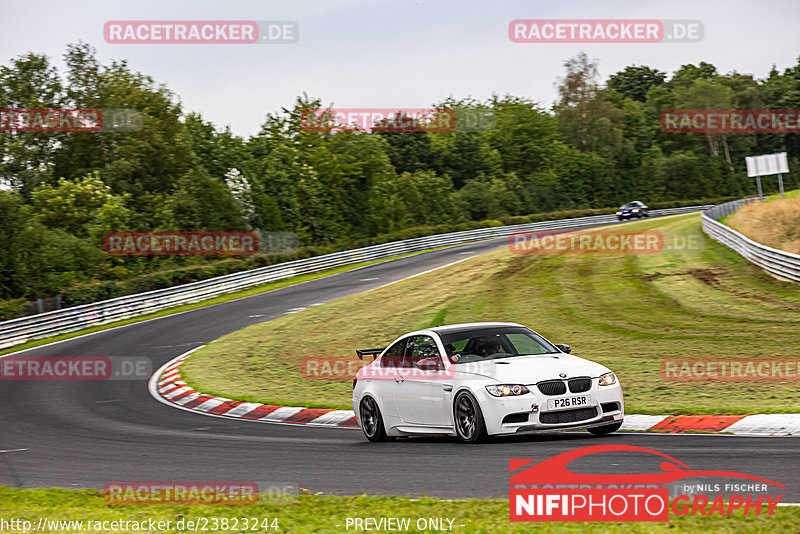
(532, 369)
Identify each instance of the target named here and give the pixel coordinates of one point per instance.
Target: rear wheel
(468, 418)
(371, 420)
(605, 429)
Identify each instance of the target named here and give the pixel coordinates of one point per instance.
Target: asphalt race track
(78, 434)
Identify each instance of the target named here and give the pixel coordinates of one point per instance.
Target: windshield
(629, 205)
(493, 343)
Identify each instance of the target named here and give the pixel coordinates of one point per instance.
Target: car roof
(454, 328)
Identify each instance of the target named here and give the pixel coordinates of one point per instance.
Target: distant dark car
(631, 210)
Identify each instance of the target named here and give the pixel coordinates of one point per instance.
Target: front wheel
(371, 420)
(468, 418)
(605, 429)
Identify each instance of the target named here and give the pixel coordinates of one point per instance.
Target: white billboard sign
(767, 164)
(783, 164)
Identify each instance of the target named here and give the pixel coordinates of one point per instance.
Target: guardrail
(67, 320)
(776, 262)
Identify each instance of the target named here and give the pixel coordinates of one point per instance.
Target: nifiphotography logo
(549, 491)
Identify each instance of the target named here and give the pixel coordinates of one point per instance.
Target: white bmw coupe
(478, 379)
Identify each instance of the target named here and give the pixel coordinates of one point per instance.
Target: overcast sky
(393, 53)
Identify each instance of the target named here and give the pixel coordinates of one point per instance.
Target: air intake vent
(579, 385)
(552, 387)
(516, 418)
(609, 406)
(567, 416)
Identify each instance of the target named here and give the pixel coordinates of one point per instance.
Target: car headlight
(507, 390)
(619, 213)
(608, 379)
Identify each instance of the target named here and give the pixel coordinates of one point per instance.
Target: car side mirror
(564, 348)
(429, 364)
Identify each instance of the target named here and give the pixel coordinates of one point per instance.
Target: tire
(605, 429)
(372, 420)
(468, 418)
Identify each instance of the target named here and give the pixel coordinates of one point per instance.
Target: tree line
(599, 145)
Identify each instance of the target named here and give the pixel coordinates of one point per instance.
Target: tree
(635, 81)
(143, 163)
(240, 188)
(467, 155)
(687, 74)
(522, 136)
(200, 202)
(586, 117)
(411, 151)
(702, 94)
(28, 157)
(36, 261)
(83, 207)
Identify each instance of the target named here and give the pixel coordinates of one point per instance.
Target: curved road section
(84, 434)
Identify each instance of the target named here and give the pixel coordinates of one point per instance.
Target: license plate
(568, 402)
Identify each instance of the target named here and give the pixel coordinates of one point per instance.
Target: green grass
(789, 194)
(322, 514)
(269, 286)
(625, 311)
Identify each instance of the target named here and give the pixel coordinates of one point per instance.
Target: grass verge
(775, 223)
(627, 311)
(323, 514)
(787, 194)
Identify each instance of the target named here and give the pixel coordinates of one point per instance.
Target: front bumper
(509, 415)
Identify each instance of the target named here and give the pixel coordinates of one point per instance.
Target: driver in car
(492, 347)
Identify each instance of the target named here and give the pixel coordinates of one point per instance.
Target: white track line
(219, 303)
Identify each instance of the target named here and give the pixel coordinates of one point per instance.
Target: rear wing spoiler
(369, 352)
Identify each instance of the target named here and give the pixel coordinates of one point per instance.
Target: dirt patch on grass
(711, 276)
(715, 277)
(516, 265)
